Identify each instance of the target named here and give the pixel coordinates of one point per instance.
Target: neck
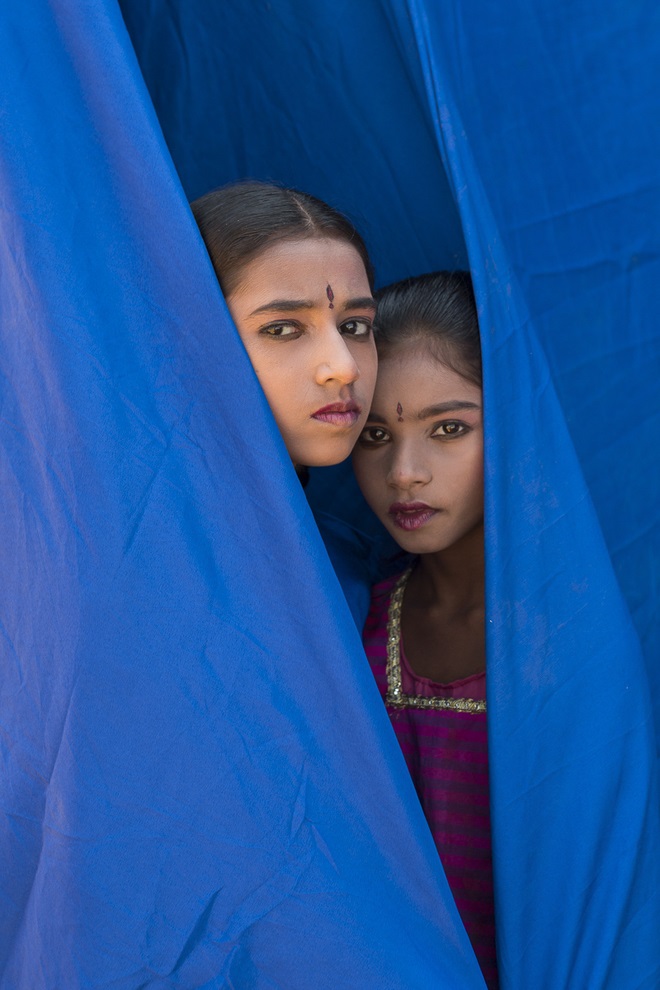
(303, 473)
(455, 576)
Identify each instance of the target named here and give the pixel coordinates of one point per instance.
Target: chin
(415, 542)
(323, 455)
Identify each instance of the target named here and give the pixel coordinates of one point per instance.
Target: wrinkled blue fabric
(574, 808)
(199, 786)
(561, 106)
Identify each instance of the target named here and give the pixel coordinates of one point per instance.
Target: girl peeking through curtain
(419, 463)
(298, 283)
(297, 280)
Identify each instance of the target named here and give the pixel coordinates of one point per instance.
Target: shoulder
(382, 591)
(380, 603)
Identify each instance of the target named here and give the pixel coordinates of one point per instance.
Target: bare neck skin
(443, 614)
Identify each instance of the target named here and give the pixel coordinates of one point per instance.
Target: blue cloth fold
(199, 785)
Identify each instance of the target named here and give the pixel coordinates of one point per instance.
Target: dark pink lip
(338, 413)
(411, 515)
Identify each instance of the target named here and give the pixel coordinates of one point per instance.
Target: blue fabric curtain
(199, 785)
(560, 106)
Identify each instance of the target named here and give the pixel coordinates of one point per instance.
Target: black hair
(239, 221)
(439, 308)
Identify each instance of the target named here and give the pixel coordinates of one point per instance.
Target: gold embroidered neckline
(395, 696)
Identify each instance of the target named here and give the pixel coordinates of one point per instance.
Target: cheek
(282, 380)
(283, 393)
(369, 470)
(474, 489)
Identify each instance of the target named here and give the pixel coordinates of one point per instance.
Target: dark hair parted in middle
(240, 221)
(439, 308)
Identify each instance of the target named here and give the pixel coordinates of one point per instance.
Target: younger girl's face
(304, 311)
(419, 459)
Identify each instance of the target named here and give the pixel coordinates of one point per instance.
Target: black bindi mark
(330, 294)
(399, 412)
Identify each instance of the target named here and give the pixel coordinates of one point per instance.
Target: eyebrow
(293, 305)
(444, 407)
(430, 411)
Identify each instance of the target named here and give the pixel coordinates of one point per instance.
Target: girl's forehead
(296, 264)
(423, 343)
(416, 361)
(413, 374)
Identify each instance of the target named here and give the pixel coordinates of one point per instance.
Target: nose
(407, 469)
(335, 360)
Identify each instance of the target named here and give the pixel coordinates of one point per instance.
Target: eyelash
(271, 331)
(365, 325)
(372, 441)
(462, 429)
(364, 329)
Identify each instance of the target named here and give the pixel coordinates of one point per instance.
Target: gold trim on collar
(395, 696)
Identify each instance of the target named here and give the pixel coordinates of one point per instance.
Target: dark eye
(372, 435)
(450, 429)
(356, 328)
(280, 330)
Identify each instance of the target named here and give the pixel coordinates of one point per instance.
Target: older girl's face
(304, 311)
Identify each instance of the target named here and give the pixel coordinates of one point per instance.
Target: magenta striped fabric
(447, 755)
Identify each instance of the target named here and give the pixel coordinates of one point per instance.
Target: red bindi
(330, 294)
(399, 412)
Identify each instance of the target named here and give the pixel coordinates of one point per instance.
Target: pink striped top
(447, 755)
